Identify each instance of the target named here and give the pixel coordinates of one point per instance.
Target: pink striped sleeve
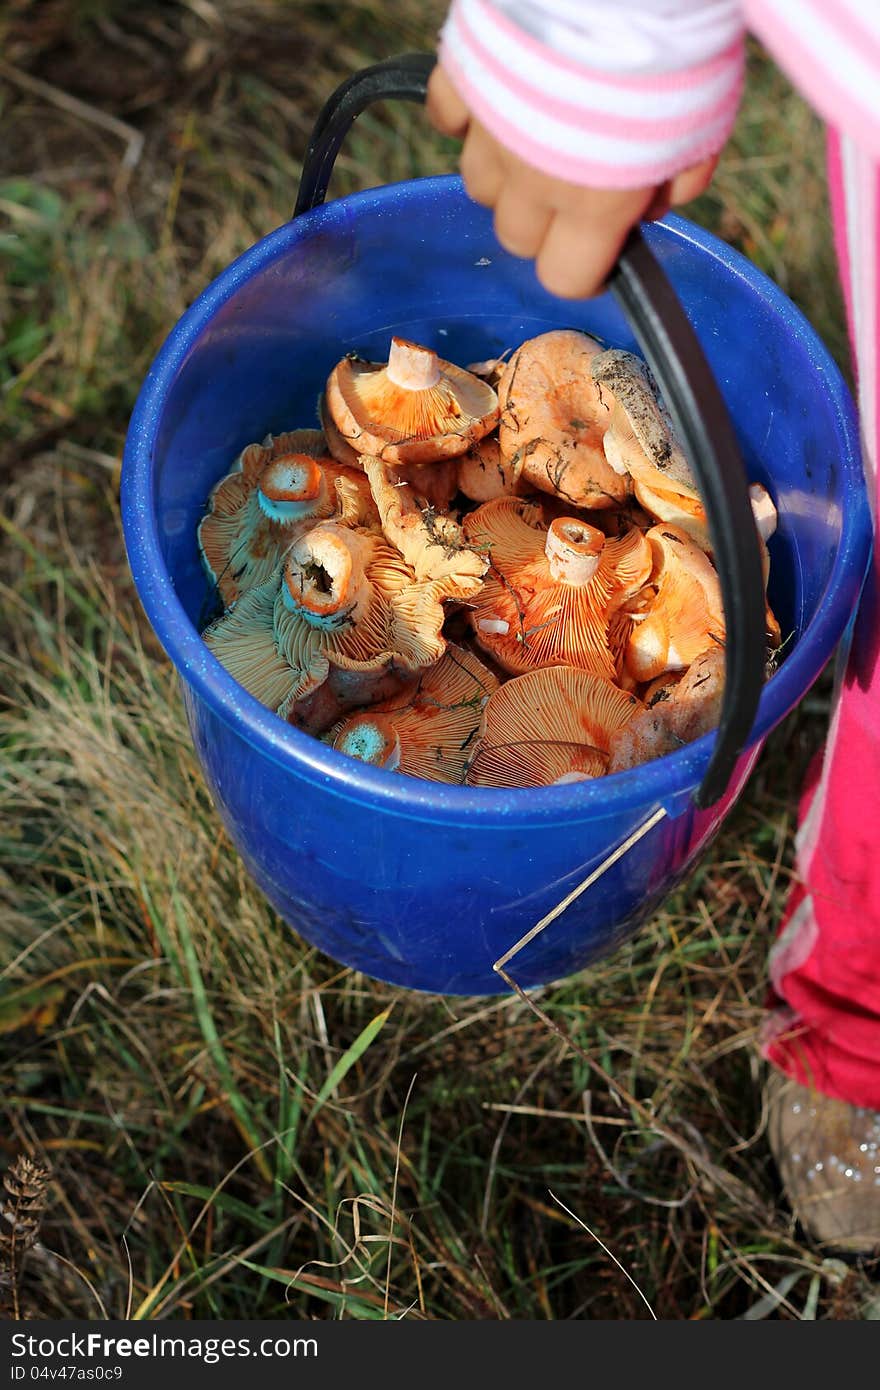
(831, 51)
(612, 96)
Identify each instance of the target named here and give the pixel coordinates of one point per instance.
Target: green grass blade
(351, 1055)
(216, 1050)
(350, 1302)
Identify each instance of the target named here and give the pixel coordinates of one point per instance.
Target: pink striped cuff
(586, 126)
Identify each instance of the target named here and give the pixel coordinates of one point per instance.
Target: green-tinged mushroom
(429, 728)
(275, 491)
(344, 600)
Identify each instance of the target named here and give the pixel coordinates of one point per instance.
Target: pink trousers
(823, 1026)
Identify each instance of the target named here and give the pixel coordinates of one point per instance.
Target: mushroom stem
(614, 453)
(290, 487)
(412, 367)
(573, 550)
(323, 577)
(372, 740)
(763, 511)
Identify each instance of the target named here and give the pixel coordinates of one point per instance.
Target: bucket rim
(658, 783)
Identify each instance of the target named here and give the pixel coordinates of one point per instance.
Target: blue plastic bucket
(422, 884)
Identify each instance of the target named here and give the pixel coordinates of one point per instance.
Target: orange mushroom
(684, 616)
(275, 491)
(484, 473)
(430, 542)
(369, 617)
(551, 593)
(429, 729)
(618, 521)
(640, 443)
(490, 369)
(553, 420)
(435, 483)
(677, 711)
(548, 727)
(414, 409)
(661, 688)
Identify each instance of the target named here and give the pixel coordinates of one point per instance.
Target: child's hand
(573, 233)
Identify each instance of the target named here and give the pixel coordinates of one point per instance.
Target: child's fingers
(444, 106)
(659, 204)
(521, 223)
(690, 183)
(575, 260)
(482, 167)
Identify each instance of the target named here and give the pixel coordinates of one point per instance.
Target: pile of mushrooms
(499, 576)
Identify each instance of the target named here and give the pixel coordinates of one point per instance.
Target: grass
(236, 1126)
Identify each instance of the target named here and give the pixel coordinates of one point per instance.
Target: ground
(235, 1126)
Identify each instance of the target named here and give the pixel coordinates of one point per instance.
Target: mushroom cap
(643, 442)
(543, 726)
(685, 616)
(680, 710)
(343, 691)
(689, 513)
(275, 491)
(435, 483)
(695, 702)
(618, 520)
(677, 509)
(339, 447)
(535, 764)
(243, 639)
(428, 730)
(430, 542)
(528, 613)
(484, 473)
(416, 408)
(656, 691)
(554, 418)
(418, 617)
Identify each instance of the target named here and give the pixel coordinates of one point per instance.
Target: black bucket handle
(689, 389)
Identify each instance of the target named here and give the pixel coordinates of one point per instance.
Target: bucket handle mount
(689, 389)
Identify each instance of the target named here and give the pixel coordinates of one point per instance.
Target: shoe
(828, 1156)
